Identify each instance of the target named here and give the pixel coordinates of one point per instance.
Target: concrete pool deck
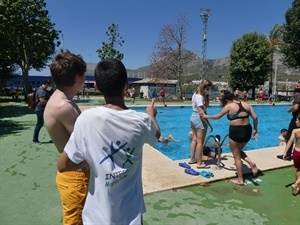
(161, 173)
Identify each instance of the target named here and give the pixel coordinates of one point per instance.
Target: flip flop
(191, 172)
(210, 173)
(184, 165)
(203, 166)
(206, 174)
(193, 162)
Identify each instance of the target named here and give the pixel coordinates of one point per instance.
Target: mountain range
(216, 70)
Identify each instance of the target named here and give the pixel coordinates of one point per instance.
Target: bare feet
(255, 170)
(238, 182)
(295, 190)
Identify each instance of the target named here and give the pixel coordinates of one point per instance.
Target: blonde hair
(203, 84)
(201, 90)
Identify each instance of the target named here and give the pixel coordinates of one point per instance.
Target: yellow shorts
(72, 187)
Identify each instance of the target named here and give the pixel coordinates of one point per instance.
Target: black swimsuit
(240, 133)
(235, 116)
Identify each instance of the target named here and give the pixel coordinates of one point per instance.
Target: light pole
(62, 42)
(204, 14)
(275, 77)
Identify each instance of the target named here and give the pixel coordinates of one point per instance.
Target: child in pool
(167, 139)
(281, 137)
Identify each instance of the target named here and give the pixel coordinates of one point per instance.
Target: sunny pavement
(160, 173)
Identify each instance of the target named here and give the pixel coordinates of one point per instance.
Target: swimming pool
(175, 121)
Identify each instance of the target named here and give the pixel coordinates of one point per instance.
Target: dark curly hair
(227, 97)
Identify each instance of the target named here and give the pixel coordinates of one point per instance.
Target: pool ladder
(219, 147)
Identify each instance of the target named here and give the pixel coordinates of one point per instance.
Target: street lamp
(275, 77)
(62, 42)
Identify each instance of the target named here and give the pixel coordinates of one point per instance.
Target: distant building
(151, 85)
(36, 81)
(90, 67)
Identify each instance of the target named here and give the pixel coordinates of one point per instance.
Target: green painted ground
(28, 195)
(265, 200)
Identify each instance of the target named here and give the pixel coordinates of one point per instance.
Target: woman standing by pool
(240, 131)
(200, 102)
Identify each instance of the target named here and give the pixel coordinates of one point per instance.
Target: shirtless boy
(68, 73)
(111, 139)
(296, 155)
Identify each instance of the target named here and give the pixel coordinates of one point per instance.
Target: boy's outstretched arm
(151, 111)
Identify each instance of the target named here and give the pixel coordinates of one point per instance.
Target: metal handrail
(219, 147)
(227, 135)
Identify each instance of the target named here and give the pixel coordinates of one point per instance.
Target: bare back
(297, 137)
(60, 116)
(233, 108)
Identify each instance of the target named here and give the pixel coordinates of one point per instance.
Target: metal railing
(219, 145)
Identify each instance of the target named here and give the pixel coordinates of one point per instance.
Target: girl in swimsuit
(240, 131)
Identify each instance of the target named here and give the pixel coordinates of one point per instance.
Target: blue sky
(84, 23)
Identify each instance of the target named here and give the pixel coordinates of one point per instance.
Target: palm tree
(276, 40)
(276, 35)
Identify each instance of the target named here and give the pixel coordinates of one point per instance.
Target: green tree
(250, 62)
(27, 36)
(8, 69)
(109, 50)
(291, 36)
(169, 54)
(275, 36)
(7, 72)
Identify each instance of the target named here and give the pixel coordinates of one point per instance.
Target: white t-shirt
(197, 101)
(111, 142)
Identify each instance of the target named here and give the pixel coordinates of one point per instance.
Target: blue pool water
(175, 121)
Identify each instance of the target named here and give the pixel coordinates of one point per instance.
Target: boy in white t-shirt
(110, 138)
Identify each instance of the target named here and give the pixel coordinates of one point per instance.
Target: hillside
(215, 68)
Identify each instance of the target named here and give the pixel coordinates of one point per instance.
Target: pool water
(175, 121)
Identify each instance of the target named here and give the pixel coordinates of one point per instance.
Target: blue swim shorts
(197, 122)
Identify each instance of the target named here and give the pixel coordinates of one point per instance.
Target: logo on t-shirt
(112, 150)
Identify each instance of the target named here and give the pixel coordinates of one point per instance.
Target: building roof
(92, 79)
(155, 81)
